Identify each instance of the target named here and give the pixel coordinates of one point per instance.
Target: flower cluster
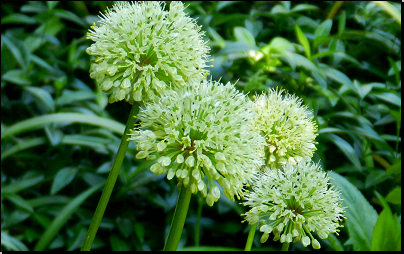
(287, 127)
(294, 202)
(202, 135)
(141, 50)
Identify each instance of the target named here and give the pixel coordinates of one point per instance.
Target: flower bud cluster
(141, 50)
(202, 134)
(294, 201)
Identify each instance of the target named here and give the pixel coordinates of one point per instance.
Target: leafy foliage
(59, 134)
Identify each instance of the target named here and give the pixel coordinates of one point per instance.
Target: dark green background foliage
(59, 134)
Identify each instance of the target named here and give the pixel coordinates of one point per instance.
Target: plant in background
(294, 202)
(142, 50)
(202, 134)
(287, 127)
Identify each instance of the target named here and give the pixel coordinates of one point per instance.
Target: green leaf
(322, 31)
(15, 218)
(51, 4)
(279, 9)
(69, 97)
(346, 148)
(305, 63)
(71, 17)
(387, 97)
(335, 242)
(21, 185)
(125, 226)
(18, 77)
(19, 202)
(39, 61)
(95, 142)
(54, 135)
(325, 53)
(48, 200)
(11, 243)
(387, 231)
(224, 4)
(117, 244)
(341, 24)
(395, 67)
(217, 38)
(18, 18)
(42, 96)
(303, 41)
(361, 217)
(63, 216)
(62, 178)
(15, 51)
(140, 231)
(77, 240)
(304, 7)
(363, 90)
(41, 121)
(22, 145)
(243, 35)
(394, 169)
(339, 77)
(394, 196)
(34, 7)
(237, 47)
(390, 9)
(375, 177)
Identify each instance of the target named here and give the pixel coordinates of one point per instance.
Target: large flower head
(202, 135)
(287, 126)
(141, 50)
(293, 202)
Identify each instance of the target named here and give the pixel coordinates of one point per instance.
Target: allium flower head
(294, 202)
(201, 134)
(141, 49)
(287, 127)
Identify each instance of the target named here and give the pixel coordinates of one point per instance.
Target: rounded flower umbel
(142, 50)
(293, 202)
(202, 135)
(287, 127)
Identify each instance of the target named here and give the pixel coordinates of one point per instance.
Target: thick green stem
(198, 221)
(285, 246)
(177, 224)
(109, 185)
(250, 238)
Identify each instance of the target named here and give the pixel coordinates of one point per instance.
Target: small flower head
(287, 127)
(293, 202)
(141, 50)
(201, 135)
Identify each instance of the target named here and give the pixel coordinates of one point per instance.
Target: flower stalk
(285, 246)
(250, 238)
(177, 224)
(109, 185)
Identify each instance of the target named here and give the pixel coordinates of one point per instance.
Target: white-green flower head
(141, 49)
(202, 135)
(293, 202)
(287, 126)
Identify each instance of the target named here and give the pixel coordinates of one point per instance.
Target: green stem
(334, 9)
(198, 221)
(177, 224)
(285, 246)
(109, 185)
(250, 238)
